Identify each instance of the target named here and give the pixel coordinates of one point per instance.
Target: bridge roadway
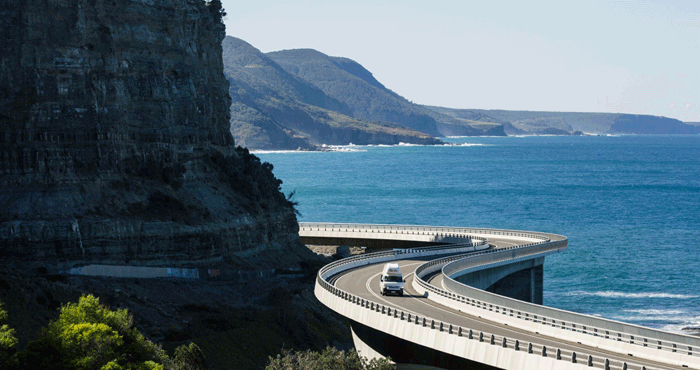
(364, 282)
(446, 322)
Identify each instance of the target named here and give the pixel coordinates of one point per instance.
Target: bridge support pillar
(525, 285)
(521, 280)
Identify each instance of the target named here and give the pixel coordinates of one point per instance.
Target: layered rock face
(115, 143)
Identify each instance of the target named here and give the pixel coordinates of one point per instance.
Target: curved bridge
(458, 310)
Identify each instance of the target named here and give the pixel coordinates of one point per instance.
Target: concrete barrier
(651, 344)
(499, 351)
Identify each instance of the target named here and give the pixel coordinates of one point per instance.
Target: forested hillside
(274, 109)
(350, 83)
(567, 123)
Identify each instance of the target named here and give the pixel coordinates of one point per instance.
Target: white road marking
(378, 296)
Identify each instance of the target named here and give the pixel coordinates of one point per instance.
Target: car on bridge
(391, 281)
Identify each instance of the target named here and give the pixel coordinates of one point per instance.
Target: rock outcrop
(114, 124)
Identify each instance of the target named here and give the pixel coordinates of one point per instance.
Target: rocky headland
(116, 149)
(274, 109)
(574, 123)
(114, 121)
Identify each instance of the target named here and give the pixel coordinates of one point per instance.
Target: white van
(391, 281)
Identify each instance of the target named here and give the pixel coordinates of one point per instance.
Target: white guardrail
(498, 306)
(638, 341)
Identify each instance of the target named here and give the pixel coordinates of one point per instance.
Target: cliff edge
(114, 124)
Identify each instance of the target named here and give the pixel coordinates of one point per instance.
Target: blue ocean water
(630, 206)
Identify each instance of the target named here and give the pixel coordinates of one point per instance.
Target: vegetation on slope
(565, 123)
(274, 109)
(329, 359)
(89, 336)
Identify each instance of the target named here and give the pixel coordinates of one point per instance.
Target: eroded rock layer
(115, 143)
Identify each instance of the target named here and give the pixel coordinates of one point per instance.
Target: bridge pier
(524, 285)
(522, 280)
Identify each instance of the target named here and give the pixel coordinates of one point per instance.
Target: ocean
(630, 206)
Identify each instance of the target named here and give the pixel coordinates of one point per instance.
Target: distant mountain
(274, 109)
(566, 123)
(356, 88)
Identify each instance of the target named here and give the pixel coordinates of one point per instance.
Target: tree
(189, 357)
(89, 336)
(7, 342)
(330, 359)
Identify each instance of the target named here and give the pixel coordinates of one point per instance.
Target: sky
(639, 57)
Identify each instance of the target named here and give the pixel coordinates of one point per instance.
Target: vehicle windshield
(393, 278)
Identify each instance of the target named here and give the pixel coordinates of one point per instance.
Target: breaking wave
(613, 294)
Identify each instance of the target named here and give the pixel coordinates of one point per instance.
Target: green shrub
(89, 336)
(7, 342)
(330, 359)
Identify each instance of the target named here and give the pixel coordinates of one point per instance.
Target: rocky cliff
(114, 124)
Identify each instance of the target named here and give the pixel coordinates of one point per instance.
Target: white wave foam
(686, 320)
(674, 328)
(612, 294)
(656, 312)
(350, 148)
(282, 151)
(409, 144)
(465, 144)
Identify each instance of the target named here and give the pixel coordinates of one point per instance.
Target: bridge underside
(379, 244)
(373, 343)
(522, 280)
(373, 244)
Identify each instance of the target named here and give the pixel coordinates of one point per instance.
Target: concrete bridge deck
(474, 327)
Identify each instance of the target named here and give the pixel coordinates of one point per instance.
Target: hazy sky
(638, 57)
